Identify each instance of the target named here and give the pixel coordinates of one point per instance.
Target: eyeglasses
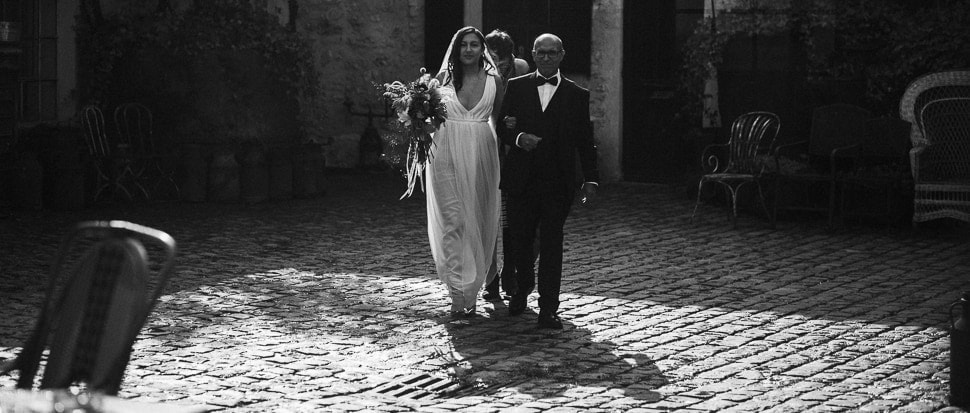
(547, 54)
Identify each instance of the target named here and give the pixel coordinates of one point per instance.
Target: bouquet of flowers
(420, 112)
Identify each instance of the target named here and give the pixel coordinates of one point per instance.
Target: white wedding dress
(463, 198)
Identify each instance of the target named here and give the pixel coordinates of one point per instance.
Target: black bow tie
(541, 80)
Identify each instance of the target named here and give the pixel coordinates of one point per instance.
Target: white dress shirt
(547, 90)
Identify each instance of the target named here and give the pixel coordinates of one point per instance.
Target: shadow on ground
(635, 245)
(495, 355)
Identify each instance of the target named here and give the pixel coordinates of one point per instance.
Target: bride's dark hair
(455, 69)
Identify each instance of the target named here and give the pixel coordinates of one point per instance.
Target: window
(38, 74)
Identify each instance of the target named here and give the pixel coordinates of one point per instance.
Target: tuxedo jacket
(566, 132)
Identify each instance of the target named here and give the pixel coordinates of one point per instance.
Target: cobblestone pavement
(331, 304)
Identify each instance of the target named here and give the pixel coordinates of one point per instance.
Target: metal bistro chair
(93, 313)
(882, 171)
(752, 134)
(935, 104)
(113, 165)
(834, 142)
(134, 122)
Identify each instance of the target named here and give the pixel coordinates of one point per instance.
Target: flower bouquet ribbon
(420, 112)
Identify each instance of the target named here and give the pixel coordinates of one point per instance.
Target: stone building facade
(632, 54)
(361, 43)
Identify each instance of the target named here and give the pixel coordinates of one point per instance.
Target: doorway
(442, 18)
(526, 19)
(652, 149)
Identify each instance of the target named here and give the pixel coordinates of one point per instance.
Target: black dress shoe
(492, 296)
(550, 321)
(517, 305)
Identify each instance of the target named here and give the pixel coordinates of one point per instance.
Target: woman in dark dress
(501, 46)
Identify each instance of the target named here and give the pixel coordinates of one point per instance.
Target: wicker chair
(752, 134)
(93, 313)
(938, 105)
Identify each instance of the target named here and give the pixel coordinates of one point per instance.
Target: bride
(463, 172)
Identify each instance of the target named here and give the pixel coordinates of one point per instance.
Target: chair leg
(727, 198)
(132, 175)
(774, 203)
(733, 193)
(137, 177)
(832, 196)
(764, 204)
(842, 203)
(98, 192)
(103, 182)
(700, 185)
(119, 173)
(891, 195)
(119, 186)
(165, 177)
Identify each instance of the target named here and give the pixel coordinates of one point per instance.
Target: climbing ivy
(883, 44)
(158, 56)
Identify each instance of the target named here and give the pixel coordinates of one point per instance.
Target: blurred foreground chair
(736, 163)
(93, 313)
(114, 165)
(834, 141)
(938, 106)
(135, 122)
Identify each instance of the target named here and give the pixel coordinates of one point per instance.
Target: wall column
(473, 13)
(606, 86)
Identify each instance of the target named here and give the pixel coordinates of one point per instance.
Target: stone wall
(365, 42)
(356, 44)
(359, 44)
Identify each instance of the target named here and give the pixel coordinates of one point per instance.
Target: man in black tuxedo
(551, 127)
